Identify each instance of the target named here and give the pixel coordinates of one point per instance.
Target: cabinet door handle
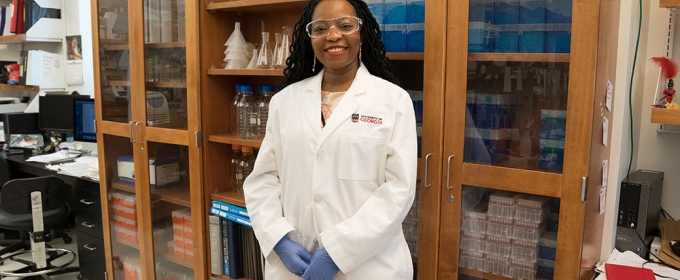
(448, 173)
(90, 247)
(86, 201)
(427, 158)
(87, 225)
(137, 133)
(130, 125)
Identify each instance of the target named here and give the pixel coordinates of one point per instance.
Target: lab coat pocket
(358, 157)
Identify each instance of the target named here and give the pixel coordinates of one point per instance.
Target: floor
(57, 243)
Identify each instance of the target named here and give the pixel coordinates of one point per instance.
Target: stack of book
(234, 250)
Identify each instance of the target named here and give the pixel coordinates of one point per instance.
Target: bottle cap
(247, 149)
(238, 88)
(268, 88)
(235, 147)
(247, 88)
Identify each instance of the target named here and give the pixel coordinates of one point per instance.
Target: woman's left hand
(321, 267)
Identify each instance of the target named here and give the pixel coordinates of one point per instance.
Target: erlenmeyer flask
(277, 50)
(253, 61)
(284, 48)
(264, 55)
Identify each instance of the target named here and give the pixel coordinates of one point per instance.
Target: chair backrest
(5, 174)
(15, 195)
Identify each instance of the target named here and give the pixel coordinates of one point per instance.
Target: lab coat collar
(348, 104)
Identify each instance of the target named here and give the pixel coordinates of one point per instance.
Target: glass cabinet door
(122, 206)
(165, 66)
(114, 60)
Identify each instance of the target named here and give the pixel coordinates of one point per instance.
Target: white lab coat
(346, 188)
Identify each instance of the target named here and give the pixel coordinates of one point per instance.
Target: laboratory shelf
(669, 3)
(525, 57)
(230, 197)
(118, 83)
(167, 85)
(246, 72)
(22, 38)
(116, 47)
(256, 5)
(484, 275)
(122, 45)
(178, 261)
(665, 116)
(224, 277)
(126, 243)
(232, 139)
(177, 194)
(32, 89)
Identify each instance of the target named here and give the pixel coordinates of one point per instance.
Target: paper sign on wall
(603, 198)
(605, 131)
(608, 102)
(605, 171)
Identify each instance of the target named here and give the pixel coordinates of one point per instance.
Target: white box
(163, 170)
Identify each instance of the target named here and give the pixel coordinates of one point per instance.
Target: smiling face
(337, 52)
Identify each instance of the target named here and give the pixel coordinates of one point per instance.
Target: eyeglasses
(343, 25)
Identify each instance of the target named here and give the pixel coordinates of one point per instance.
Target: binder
(17, 19)
(232, 217)
(230, 208)
(622, 272)
(215, 244)
(3, 10)
(34, 12)
(233, 267)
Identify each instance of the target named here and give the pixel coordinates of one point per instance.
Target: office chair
(18, 198)
(5, 173)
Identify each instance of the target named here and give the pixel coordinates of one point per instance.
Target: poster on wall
(74, 63)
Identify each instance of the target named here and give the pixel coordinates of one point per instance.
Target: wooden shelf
(166, 45)
(33, 89)
(178, 261)
(256, 5)
(665, 116)
(231, 139)
(112, 42)
(126, 243)
(118, 83)
(484, 275)
(21, 38)
(246, 72)
(669, 3)
(116, 47)
(526, 57)
(224, 277)
(177, 194)
(406, 55)
(230, 197)
(167, 85)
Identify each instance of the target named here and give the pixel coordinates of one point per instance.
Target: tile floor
(57, 243)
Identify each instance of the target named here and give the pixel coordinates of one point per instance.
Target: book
(225, 247)
(8, 20)
(215, 244)
(231, 216)
(230, 208)
(233, 266)
(622, 272)
(34, 12)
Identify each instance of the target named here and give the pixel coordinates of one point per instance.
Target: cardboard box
(163, 169)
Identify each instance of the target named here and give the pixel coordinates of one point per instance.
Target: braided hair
(373, 51)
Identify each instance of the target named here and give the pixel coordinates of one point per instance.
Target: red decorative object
(669, 69)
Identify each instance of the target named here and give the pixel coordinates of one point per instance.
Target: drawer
(88, 202)
(91, 258)
(90, 224)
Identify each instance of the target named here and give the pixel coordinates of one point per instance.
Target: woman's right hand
(293, 255)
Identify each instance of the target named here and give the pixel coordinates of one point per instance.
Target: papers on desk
(87, 167)
(629, 258)
(53, 157)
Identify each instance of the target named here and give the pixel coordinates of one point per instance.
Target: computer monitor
(83, 120)
(56, 112)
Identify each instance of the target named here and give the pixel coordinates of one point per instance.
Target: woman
(336, 172)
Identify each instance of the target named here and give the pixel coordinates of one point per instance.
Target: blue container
(547, 247)
(494, 111)
(417, 99)
(558, 38)
(551, 155)
(416, 26)
(532, 38)
(546, 269)
(532, 11)
(377, 8)
(480, 37)
(558, 11)
(395, 28)
(482, 11)
(471, 103)
(507, 12)
(508, 38)
(486, 145)
(553, 124)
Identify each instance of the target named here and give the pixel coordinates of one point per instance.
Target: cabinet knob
(86, 201)
(87, 225)
(90, 247)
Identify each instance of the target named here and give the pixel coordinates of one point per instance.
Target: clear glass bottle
(233, 166)
(277, 50)
(247, 115)
(283, 50)
(233, 121)
(263, 108)
(264, 55)
(245, 167)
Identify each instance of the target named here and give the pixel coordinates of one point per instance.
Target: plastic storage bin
(474, 221)
(377, 8)
(558, 11)
(499, 227)
(523, 270)
(553, 124)
(482, 11)
(558, 38)
(532, 11)
(497, 265)
(546, 269)
(416, 26)
(532, 209)
(552, 155)
(495, 111)
(508, 38)
(524, 250)
(548, 246)
(473, 241)
(395, 32)
(532, 38)
(472, 260)
(498, 246)
(480, 37)
(507, 12)
(528, 231)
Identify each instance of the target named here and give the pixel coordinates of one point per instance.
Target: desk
(86, 205)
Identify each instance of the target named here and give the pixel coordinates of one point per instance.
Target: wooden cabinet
(146, 83)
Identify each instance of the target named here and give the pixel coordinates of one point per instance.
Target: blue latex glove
(321, 267)
(293, 255)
